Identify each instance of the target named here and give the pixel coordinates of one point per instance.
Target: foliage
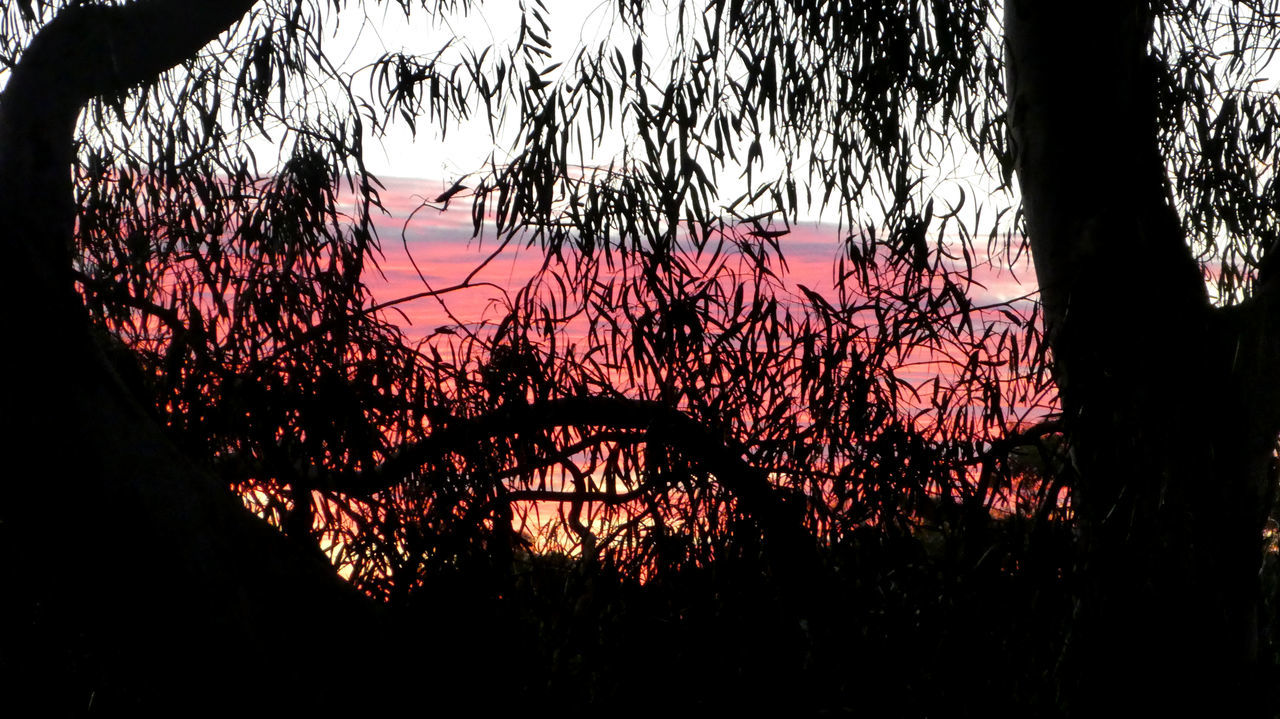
(234, 286)
(716, 445)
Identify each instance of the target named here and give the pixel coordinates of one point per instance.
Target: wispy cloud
(426, 249)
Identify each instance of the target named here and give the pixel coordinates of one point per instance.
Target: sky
(425, 249)
(418, 167)
(362, 34)
(435, 250)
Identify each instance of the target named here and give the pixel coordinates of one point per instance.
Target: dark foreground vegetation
(659, 477)
(892, 631)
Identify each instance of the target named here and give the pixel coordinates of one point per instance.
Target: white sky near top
(369, 31)
(364, 31)
(576, 26)
(361, 32)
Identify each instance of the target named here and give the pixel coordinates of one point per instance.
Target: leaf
(454, 189)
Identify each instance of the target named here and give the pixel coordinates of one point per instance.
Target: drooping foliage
(240, 287)
(660, 400)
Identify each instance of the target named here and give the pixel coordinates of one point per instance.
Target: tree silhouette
(716, 447)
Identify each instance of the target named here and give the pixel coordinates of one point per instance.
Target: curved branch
(613, 412)
(84, 52)
(93, 50)
(216, 576)
(663, 424)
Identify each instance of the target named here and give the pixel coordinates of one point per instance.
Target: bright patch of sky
(362, 34)
(428, 161)
(463, 148)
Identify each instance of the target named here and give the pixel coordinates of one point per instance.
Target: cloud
(442, 246)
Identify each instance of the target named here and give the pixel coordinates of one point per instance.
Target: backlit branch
(662, 424)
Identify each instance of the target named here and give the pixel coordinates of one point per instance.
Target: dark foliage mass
(665, 466)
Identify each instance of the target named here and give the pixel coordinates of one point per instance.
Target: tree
(1178, 482)
(172, 296)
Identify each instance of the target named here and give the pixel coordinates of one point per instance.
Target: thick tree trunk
(139, 578)
(1168, 435)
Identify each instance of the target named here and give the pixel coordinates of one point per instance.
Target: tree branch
(84, 52)
(212, 579)
(662, 424)
(94, 50)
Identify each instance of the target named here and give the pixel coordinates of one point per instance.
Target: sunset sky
(418, 166)
(442, 246)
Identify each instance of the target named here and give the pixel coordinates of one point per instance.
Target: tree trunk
(138, 577)
(1162, 394)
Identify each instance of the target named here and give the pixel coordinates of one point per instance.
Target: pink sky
(445, 252)
(442, 246)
